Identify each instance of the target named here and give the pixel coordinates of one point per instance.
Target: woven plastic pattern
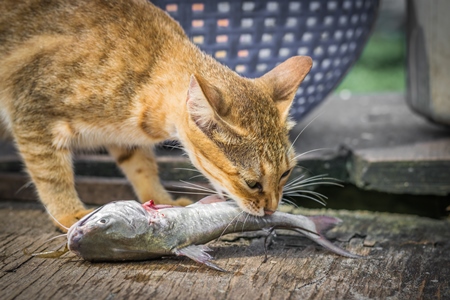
(252, 37)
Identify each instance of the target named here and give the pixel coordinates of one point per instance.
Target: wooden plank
(407, 259)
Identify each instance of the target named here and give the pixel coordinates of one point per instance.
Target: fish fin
(211, 199)
(208, 200)
(151, 206)
(199, 254)
(325, 223)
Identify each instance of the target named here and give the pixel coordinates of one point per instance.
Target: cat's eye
(254, 185)
(285, 174)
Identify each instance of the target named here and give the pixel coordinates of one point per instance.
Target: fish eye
(102, 221)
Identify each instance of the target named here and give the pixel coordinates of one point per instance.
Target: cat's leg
(141, 169)
(52, 173)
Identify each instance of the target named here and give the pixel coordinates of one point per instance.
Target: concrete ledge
(378, 144)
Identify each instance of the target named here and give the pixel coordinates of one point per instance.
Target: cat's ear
(204, 102)
(284, 80)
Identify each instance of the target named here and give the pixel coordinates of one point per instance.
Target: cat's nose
(271, 206)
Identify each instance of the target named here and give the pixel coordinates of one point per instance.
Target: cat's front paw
(182, 201)
(70, 219)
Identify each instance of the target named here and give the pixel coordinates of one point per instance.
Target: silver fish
(128, 230)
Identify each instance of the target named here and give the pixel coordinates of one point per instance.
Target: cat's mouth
(247, 206)
(255, 211)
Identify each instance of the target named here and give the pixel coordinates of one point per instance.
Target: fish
(128, 230)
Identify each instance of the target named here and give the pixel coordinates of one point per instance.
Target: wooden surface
(407, 258)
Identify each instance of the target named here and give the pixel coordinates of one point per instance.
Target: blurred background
(382, 65)
(364, 134)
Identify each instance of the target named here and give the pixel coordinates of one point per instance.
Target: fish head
(110, 232)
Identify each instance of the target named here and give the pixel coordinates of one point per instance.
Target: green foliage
(381, 67)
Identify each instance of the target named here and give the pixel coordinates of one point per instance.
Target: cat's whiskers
(25, 186)
(188, 193)
(283, 199)
(321, 196)
(56, 237)
(308, 197)
(188, 169)
(197, 176)
(245, 220)
(310, 151)
(185, 153)
(300, 180)
(197, 186)
(179, 148)
(303, 168)
(174, 144)
(318, 197)
(313, 184)
(199, 189)
(191, 170)
(304, 128)
(229, 224)
(56, 221)
(296, 187)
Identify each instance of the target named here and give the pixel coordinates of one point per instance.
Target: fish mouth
(73, 240)
(77, 231)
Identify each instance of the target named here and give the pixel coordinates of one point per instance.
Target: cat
(123, 75)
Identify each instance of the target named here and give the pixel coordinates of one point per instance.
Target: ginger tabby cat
(122, 74)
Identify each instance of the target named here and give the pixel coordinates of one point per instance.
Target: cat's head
(237, 133)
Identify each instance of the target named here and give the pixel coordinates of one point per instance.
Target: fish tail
(324, 224)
